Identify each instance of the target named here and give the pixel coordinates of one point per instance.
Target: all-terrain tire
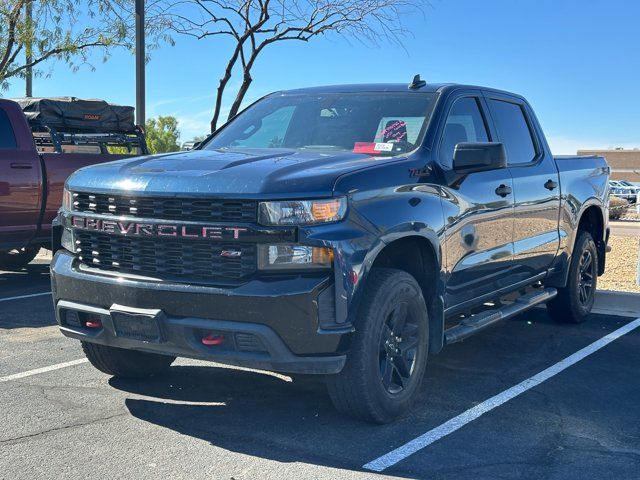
(126, 363)
(17, 258)
(359, 390)
(575, 301)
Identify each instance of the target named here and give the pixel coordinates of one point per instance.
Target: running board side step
(479, 322)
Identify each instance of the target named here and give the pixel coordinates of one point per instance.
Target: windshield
(370, 123)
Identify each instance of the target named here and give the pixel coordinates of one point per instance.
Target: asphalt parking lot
(579, 420)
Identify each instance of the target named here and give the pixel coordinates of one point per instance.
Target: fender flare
(435, 305)
(560, 279)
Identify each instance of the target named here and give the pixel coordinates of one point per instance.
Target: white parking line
(36, 371)
(400, 453)
(24, 296)
(80, 361)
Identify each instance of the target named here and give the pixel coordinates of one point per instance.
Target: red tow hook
(212, 340)
(93, 323)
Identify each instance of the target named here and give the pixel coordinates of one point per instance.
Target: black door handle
(503, 190)
(21, 166)
(550, 185)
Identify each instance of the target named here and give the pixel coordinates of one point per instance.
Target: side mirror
(479, 157)
(196, 145)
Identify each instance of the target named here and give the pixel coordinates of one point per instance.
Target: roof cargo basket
(70, 124)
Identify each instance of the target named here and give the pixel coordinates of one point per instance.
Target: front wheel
(17, 258)
(575, 301)
(386, 364)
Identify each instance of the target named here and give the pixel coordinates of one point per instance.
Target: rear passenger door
(536, 185)
(479, 220)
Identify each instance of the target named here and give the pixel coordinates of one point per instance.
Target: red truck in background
(43, 141)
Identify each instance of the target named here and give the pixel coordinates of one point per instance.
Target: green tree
(162, 134)
(68, 30)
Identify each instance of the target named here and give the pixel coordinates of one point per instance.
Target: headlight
(67, 200)
(302, 212)
(293, 257)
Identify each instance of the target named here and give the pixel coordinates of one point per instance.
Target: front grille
(186, 209)
(165, 258)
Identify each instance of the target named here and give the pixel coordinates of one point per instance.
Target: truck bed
(58, 166)
(588, 173)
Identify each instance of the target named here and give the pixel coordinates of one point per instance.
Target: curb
(617, 303)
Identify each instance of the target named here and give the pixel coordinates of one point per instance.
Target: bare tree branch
(256, 24)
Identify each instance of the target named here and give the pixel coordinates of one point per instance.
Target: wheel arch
(592, 220)
(421, 257)
(415, 255)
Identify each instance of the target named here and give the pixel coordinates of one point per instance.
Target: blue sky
(577, 61)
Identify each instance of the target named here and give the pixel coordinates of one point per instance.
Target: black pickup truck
(348, 231)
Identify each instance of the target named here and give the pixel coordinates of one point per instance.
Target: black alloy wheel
(389, 349)
(575, 300)
(587, 272)
(398, 349)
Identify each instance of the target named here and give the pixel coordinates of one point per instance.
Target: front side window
(514, 131)
(464, 124)
(7, 137)
(371, 123)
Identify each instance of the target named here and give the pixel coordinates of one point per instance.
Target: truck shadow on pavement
(263, 415)
(34, 272)
(30, 311)
(247, 412)
(25, 280)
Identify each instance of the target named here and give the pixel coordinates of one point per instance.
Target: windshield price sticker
(383, 147)
(372, 147)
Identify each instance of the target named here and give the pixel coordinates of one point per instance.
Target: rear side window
(7, 137)
(464, 124)
(514, 131)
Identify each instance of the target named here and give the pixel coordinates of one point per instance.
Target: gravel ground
(622, 265)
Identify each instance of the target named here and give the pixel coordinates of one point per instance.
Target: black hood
(253, 172)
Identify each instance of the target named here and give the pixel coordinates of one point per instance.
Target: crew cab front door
(536, 185)
(20, 185)
(478, 210)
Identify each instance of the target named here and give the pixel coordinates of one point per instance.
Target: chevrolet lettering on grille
(157, 229)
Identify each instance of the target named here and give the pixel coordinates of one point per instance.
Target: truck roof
(389, 87)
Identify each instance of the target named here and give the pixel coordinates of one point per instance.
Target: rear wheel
(126, 363)
(575, 301)
(386, 364)
(17, 258)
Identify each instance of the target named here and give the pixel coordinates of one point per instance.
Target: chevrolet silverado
(346, 231)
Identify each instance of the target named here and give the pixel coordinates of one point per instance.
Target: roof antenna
(417, 83)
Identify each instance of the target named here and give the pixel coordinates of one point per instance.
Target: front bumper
(267, 324)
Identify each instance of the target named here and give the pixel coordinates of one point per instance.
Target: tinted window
(464, 124)
(7, 137)
(269, 133)
(514, 131)
(367, 123)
